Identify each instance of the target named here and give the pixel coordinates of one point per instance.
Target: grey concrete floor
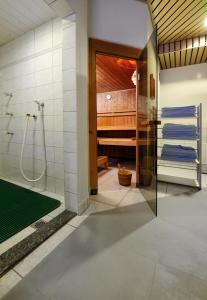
(127, 253)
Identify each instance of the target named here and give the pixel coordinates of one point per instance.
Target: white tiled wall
(70, 115)
(31, 68)
(75, 99)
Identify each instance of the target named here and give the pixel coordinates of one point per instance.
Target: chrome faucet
(9, 133)
(9, 114)
(8, 95)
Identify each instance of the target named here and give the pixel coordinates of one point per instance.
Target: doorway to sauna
(113, 121)
(122, 122)
(116, 125)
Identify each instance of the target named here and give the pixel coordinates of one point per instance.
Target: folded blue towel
(179, 132)
(183, 111)
(178, 153)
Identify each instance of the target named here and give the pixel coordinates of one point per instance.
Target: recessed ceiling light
(205, 22)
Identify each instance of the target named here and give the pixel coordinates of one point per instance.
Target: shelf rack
(195, 166)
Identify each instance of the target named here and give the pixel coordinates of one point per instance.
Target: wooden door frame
(107, 48)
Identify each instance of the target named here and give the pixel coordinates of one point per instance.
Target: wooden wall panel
(121, 101)
(117, 121)
(116, 118)
(114, 73)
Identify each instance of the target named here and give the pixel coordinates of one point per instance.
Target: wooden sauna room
(116, 119)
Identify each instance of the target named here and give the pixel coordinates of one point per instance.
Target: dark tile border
(16, 253)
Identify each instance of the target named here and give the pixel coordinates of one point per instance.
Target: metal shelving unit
(187, 167)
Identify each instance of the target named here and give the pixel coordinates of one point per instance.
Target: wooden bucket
(125, 177)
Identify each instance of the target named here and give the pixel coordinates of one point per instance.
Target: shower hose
(23, 146)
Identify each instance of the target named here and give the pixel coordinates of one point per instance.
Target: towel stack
(177, 112)
(179, 132)
(178, 153)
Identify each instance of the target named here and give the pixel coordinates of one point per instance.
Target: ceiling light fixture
(205, 22)
(134, 78)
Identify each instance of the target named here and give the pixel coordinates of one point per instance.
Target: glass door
(147, 83)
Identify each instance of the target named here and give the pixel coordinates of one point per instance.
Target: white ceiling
(20, 16)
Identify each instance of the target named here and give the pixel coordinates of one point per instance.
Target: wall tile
(70, 121)
(69, 80)
(70, 160)
(43, 62)
(69, 101)
(69, 58)
(70, 142)
(69, 37)
(71, 201)
(71, 184)
(57, 57)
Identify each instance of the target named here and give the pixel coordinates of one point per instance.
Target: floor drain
(38, 224)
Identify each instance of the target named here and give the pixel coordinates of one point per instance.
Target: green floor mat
(20, 207)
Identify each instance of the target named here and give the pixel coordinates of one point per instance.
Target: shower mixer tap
(8, 95)
(9, 133)
(31, 116)
(9, 114)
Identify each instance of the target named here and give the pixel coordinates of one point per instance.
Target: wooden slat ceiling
(178, 19)
(113, 73)
(182, 53)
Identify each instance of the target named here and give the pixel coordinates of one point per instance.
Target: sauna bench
(114, 128)
(124, 142)
(117, 142)
(103, 161)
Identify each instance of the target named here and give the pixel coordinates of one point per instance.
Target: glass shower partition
(147, 91)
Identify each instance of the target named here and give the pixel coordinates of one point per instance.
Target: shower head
(40, 104)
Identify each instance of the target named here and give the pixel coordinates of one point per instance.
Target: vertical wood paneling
(194, 56)
(172, 59)
(188, 56)
(182, 58)
(162, 61)
(200, 54)
(183, 53)
(167, 60)
(204, 56)
(177, 58)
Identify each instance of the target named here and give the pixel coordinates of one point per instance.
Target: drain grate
(38, 224)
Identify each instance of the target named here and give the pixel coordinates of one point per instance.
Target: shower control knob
(9, 114)
(9, 133)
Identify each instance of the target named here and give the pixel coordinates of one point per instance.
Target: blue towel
(179, 132)
(178, 153)
(183, 111)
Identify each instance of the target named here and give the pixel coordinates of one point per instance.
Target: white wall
(119, 21)
(70, 114)
(78, 202)
(31, 68)
(186, 86)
